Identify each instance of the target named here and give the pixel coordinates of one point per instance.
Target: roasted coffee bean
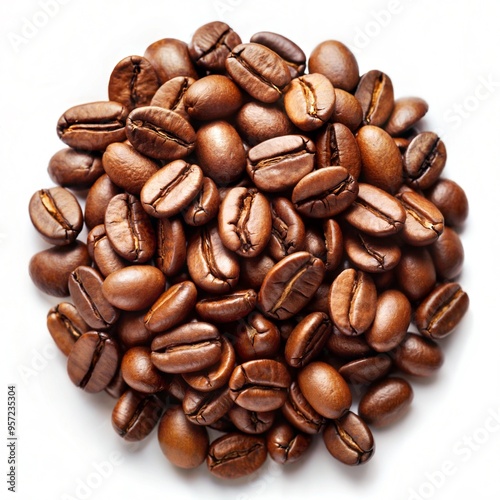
(187, 348)
(285, 444)
(324, 389)
(364, 371)
(220, 152)
(251, 422)
(447, 254)
(325, 192)
(99, 195)
(93, 126)
(391, 321)
(127, 168)
(56, 215)
(260, 385)
(347, 346)
(227, 308)
(170, 58)
(309, 101)
(254, 270)
(134, 288)
(290, 284)
(170, 254)
(418, 356)
(334, 244)
(424, 160)
(245, 221)
(279, 163)
(102, 252)
(349, 439)
(353, 301)
(129, 228)
(406, 113)
(375, 93)
(131, 331)
(75, 169)
(183, 443)
(117, 386)
(386, 402)
(172, 307)
(289, 51)
(415, 273)
(86, 290)
(235, 455)
(376, 212)
(93, 361)
(259, 71)
(334, 60)
(171, 94)
(177, 387)
(140, 373)
(216, 376)
(205, 205)
(212, 266)
(347, 110)
(205, 408)
(133, 82)
(135, 415)
(50, 269)
(211, 44)
(441, 311)
(451, 201)
(307, 339)
(65, 326)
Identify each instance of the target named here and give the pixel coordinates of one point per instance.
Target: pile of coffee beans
(268, 235)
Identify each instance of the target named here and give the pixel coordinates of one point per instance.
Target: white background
(445, 51)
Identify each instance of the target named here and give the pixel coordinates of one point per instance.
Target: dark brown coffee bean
(325, 192)
(307, 339)
(170, 58)
(375, 93)
(135, 415)
(254, 270)
(98, 197)
(347, 346)
(140, 373)
(134, 288)
(285, 444)
(260, 385)
(251, 422)
(324, 389)
(391, 322)
(347, 110)
(441, 311)
(376, 212)
(290, 284)
(56, 215)
(227, 308)
(451, 201)
(75, 169)
(406, 113)
(279, 163)
(212, 266)
(216, 376)
(65, 326)
(133, 82)
(364, 371)
(259, 71)
(127, 168)
(245, 221)
(117, 386)
(172, 307)
(353, 299)
(187, 348)
(50, 269)
(382, 165)
(334, 60)
(386, 402)
(205, 205)
(418, 356)
(424, 160)
(93, 361)
(349, 440)
(211, 44)
(170, 246)
(415, 273)
(129, 229)
(424, 222)
(289, 51)
(131, 331)
(447, 253)
(309, 101)
(171, 94)
(102, 252)
(236, 455)
(205, 408)
(183, 443)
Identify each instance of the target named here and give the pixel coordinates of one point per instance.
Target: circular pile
(263, 243)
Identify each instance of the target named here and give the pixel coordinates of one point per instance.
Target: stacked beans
(264, 242)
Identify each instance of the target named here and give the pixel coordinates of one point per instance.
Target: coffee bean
(251, 422)
(98, 197)
(406, 113)
(347, 110)
(447, 254)
(170, 255)
(227, 308)
(205, 408)
(451, 201)
(75, 169)
(415, 273)
(285, 444)
(131, 331)
(65, 325)
(171, 94)
(102, 252)
(140, 373)
(375, 93)
(363, 371)
(347, 346)
(418, 356)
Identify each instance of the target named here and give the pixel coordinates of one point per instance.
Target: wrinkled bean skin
(251, 422)
(364, 371)
(285, 444)
(205, 205)
(205, 408)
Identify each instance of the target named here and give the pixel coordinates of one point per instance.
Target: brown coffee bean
(375, 93)
(117, 386)
(385, 402)
(415, 273)
(418, 356)
(285, 444)
(441, 311)
(347, 110)
(131, 331)
(447, 253)
(171, 94)
(324, 389)
(227, 308)
(140, 373)
(205, 408)
(236, 455)
(451, 201)
(75, 169)
(251, 422)
(93, 361)
(98, 197)
(65, 326)
(349, 440)
(364, 371)
(102, 252)
(406, 113)
(183, 443)
(205, 205)
(170, 254)
(56, 215)
(254, 270)
(347, 346)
